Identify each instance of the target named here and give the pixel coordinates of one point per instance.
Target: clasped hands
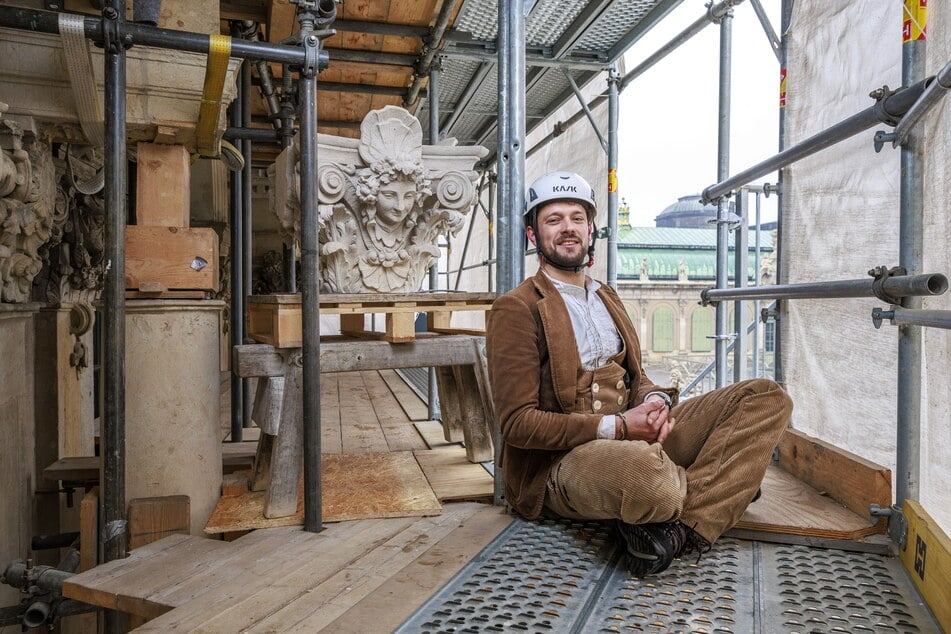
(650, 421)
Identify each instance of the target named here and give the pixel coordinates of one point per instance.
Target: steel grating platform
(567, 576)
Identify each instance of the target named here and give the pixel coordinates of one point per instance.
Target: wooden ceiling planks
(351, 106)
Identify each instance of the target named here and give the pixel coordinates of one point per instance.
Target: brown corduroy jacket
(534, 369)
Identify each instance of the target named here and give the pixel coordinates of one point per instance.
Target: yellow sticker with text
(914, 21)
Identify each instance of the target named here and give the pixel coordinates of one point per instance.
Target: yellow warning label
(782, 88)
(914, 21)
(612, 180)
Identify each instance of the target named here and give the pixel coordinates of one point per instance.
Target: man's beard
(564, 261)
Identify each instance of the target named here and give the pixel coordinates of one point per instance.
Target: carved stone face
(394, 202)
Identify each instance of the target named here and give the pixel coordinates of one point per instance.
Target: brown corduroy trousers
(705, 475)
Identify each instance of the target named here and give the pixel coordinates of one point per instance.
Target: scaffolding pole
(896, 286)
(910, 256)
(511, 153)
(432, 400)
(113, 534)
(511, 169)
(236, 199)
(613, 109)
(723, 169)
(741, 263)
(246, 229)
(888, 108)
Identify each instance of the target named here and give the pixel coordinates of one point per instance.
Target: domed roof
(686, 207)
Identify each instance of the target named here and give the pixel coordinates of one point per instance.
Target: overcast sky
(668, 115)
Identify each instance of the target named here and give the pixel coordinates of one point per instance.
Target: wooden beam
(846, 478)
(257, 360)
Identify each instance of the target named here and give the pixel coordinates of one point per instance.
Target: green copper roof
(685, 238)
(665, 248)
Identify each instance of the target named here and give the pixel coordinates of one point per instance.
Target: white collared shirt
(595, 332)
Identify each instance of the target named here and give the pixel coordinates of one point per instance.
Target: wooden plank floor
(361, 576)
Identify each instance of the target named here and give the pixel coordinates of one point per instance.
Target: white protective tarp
(841, 218)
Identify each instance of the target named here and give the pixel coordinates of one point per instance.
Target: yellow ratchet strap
(219, 51)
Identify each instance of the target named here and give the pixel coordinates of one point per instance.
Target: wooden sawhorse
(464, 394)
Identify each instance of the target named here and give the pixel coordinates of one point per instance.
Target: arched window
(632, 314)
(662, 330)
(701, 327)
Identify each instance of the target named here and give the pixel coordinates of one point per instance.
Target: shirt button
(620, 384)
(620, 400)
(596, 405)
(594, 388)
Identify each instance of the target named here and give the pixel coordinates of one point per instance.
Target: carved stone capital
(383, 202)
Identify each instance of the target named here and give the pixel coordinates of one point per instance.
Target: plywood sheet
(791, 507)
(452, 476)
(355, 486)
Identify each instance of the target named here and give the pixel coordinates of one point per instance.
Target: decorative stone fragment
(383, 202)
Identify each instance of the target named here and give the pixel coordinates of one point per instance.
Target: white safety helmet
(555, 186)
(558, 186)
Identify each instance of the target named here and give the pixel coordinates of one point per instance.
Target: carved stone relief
(26, 209)
(383, 202)
(73, 258)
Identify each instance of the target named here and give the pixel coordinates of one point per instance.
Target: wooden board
(359, 427)
(433, 435)
(167, 256)
(74, 469)
(384, 610)
(354, 486)
(791, 507)
(104, 584)
(331, 440)
(162, 186)
(143, 294)
(452, 476)
(927, 557)
(847, 478)
(151, 519)
(399, 432)
(276, 319)
(89, 530)
(256, 360)
(415, 408)
(312, 598)
(268, 561)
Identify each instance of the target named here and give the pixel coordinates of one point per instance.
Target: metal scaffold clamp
(112, 40)
(882, 273)
(716, 12)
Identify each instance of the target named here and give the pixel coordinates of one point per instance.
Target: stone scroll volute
(383, 201)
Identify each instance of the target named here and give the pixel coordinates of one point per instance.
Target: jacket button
(596, 405)
(620, 384)
(620, 400)
(594, 388)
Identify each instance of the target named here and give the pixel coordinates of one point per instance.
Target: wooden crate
(164, 258)
(276, 319)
